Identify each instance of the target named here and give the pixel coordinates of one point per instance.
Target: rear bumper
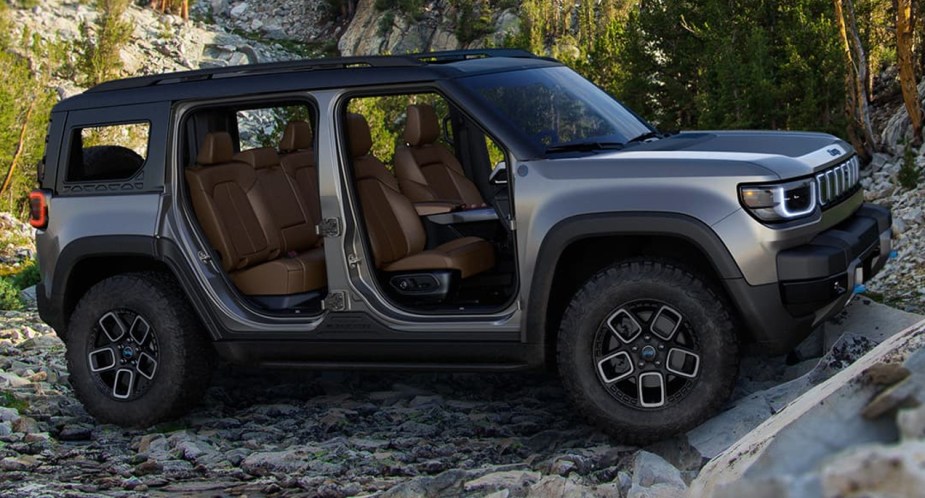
(815, 280)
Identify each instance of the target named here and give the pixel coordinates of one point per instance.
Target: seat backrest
(228, 205)
(393, 226)
(288, 215)
(426, 170)
(298, 161)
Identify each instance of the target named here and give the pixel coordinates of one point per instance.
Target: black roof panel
(309, 74)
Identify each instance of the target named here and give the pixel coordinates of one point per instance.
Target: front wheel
(136, 353)
(647, 350)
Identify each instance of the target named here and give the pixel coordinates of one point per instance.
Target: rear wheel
(135, 351)
(647, 350)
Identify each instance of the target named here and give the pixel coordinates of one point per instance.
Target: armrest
(435, 207)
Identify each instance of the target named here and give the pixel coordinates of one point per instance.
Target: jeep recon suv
(499, 213)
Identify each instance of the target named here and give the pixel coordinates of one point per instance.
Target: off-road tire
(709, 317)
(184, 356)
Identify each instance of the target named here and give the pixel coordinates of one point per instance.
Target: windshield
(555, 107)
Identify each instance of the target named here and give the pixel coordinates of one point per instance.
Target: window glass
(106, 153)
(556, 106)
(264, 127)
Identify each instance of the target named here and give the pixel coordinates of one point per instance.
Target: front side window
(556, 107)
(108, 153)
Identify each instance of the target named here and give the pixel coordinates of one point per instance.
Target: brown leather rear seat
(233, 214)
(287, 214)
(395, 231)
(298, 160)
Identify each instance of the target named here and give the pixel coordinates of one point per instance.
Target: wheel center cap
(128, 352)
(648, 353)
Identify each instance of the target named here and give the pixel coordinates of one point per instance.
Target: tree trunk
(907, 80)
(19, 147)
(858, 103)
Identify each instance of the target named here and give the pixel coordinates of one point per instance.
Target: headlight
(779, 202)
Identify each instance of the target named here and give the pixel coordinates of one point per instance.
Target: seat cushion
(281, 276)
(296, 274)
(469, 255)
(312, 261)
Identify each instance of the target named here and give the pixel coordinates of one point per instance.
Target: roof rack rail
(475, 53)
(412, 60)
(251, 69)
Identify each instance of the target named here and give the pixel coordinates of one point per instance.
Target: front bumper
(815, 280)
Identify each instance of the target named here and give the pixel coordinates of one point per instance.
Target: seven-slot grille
(834, 182)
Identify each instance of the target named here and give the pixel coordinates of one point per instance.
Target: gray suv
(482, 210)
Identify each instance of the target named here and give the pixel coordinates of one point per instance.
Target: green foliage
(386, 118)
(702, 63)
(98, 46)
(26, 62)
(27, 276)
(9, 295)
(8, 400)
(909, 174)
(412, 8)
(386, 22)
(473, 20)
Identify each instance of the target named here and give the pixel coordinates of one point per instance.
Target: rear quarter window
(108, 153)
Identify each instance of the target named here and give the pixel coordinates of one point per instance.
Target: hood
(786, 154)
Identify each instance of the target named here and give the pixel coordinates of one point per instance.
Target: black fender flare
(573, 229)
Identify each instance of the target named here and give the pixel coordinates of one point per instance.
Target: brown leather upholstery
(287, 212)
(297, 136)
(237, 219)
(395, 231)
(426, 170)
(298, 161)
(216, 148)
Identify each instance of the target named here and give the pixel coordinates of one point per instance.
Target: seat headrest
(422, 127)
(358, 135)
(260, 158)
(216, 148)
(298, 136)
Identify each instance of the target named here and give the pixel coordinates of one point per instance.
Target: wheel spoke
(102, 360)
(123, 384)
(112, 326)
(683, 362)
(617, 366)
(146, 366)
(140, 330)
(624, 325)
(651, 387)
(665, 323)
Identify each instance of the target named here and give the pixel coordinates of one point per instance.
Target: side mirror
(498, 175)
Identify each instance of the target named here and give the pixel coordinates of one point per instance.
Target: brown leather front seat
(298, 160)
(426, 170)
(233, 214)
(287, 214)
(395, 231)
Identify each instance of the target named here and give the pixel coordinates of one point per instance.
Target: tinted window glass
(555, 106)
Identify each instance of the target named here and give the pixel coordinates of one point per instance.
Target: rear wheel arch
(577, 248)
(85, 262)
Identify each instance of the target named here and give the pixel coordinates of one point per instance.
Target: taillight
(38, 208)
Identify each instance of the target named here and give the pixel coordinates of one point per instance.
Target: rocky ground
(339, 434)
(16, 243)
(902, 281)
